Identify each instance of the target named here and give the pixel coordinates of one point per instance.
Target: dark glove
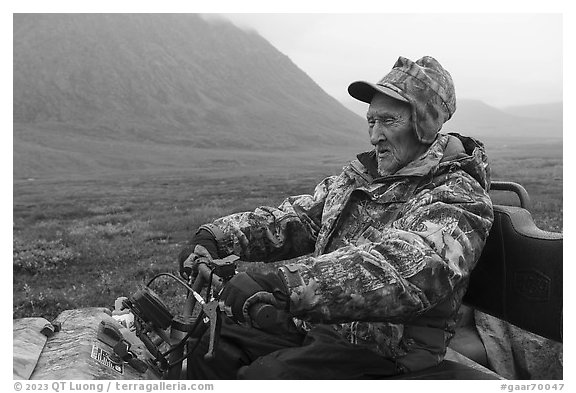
(246, 289)
(202, 238)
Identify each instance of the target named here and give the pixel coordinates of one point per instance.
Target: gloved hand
(246, 289)
(203, 245)
(189, 267)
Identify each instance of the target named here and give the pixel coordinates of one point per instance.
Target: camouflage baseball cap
(425, 84)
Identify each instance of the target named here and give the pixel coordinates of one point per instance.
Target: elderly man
(380, 255)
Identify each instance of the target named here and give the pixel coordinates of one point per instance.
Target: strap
(291, 275)
(109, 334)
(122, 349)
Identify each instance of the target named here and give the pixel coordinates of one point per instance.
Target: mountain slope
(551, 111)
(167, 79)
(478, 119)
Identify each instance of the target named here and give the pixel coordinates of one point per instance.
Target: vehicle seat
(519, 275)
(518, 279)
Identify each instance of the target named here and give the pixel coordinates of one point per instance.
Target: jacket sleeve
(272, 234)
(395, 274)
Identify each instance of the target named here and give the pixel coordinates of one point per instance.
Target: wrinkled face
(392, 134)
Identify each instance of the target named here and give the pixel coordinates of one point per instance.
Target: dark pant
(247, 353)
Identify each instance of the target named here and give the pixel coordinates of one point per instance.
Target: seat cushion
(449, 369)
(468, 342)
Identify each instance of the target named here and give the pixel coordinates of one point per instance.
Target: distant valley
(479, 119)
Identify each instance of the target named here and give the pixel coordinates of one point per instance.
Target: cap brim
(364, 91)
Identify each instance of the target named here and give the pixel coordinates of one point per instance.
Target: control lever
(212, 311)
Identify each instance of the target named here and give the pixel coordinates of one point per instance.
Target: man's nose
(377, 134)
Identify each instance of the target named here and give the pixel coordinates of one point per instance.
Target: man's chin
(385, 173)
(386, 169)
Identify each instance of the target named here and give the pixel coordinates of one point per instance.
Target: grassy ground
(537, 167)
(86, 242)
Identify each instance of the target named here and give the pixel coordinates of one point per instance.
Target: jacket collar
(418, 167)
(446, 150)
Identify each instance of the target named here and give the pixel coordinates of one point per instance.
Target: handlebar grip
(263, 315)
(204, 272)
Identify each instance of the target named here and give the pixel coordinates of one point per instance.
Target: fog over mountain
(552, 111)
(478, 119)
(117, 92)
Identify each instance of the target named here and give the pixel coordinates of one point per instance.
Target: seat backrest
(519, 275)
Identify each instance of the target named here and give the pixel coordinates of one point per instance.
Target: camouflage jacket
(386, 260)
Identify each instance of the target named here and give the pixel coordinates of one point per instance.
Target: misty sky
(501, 59)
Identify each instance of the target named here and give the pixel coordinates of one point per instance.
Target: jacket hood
(470, 155)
